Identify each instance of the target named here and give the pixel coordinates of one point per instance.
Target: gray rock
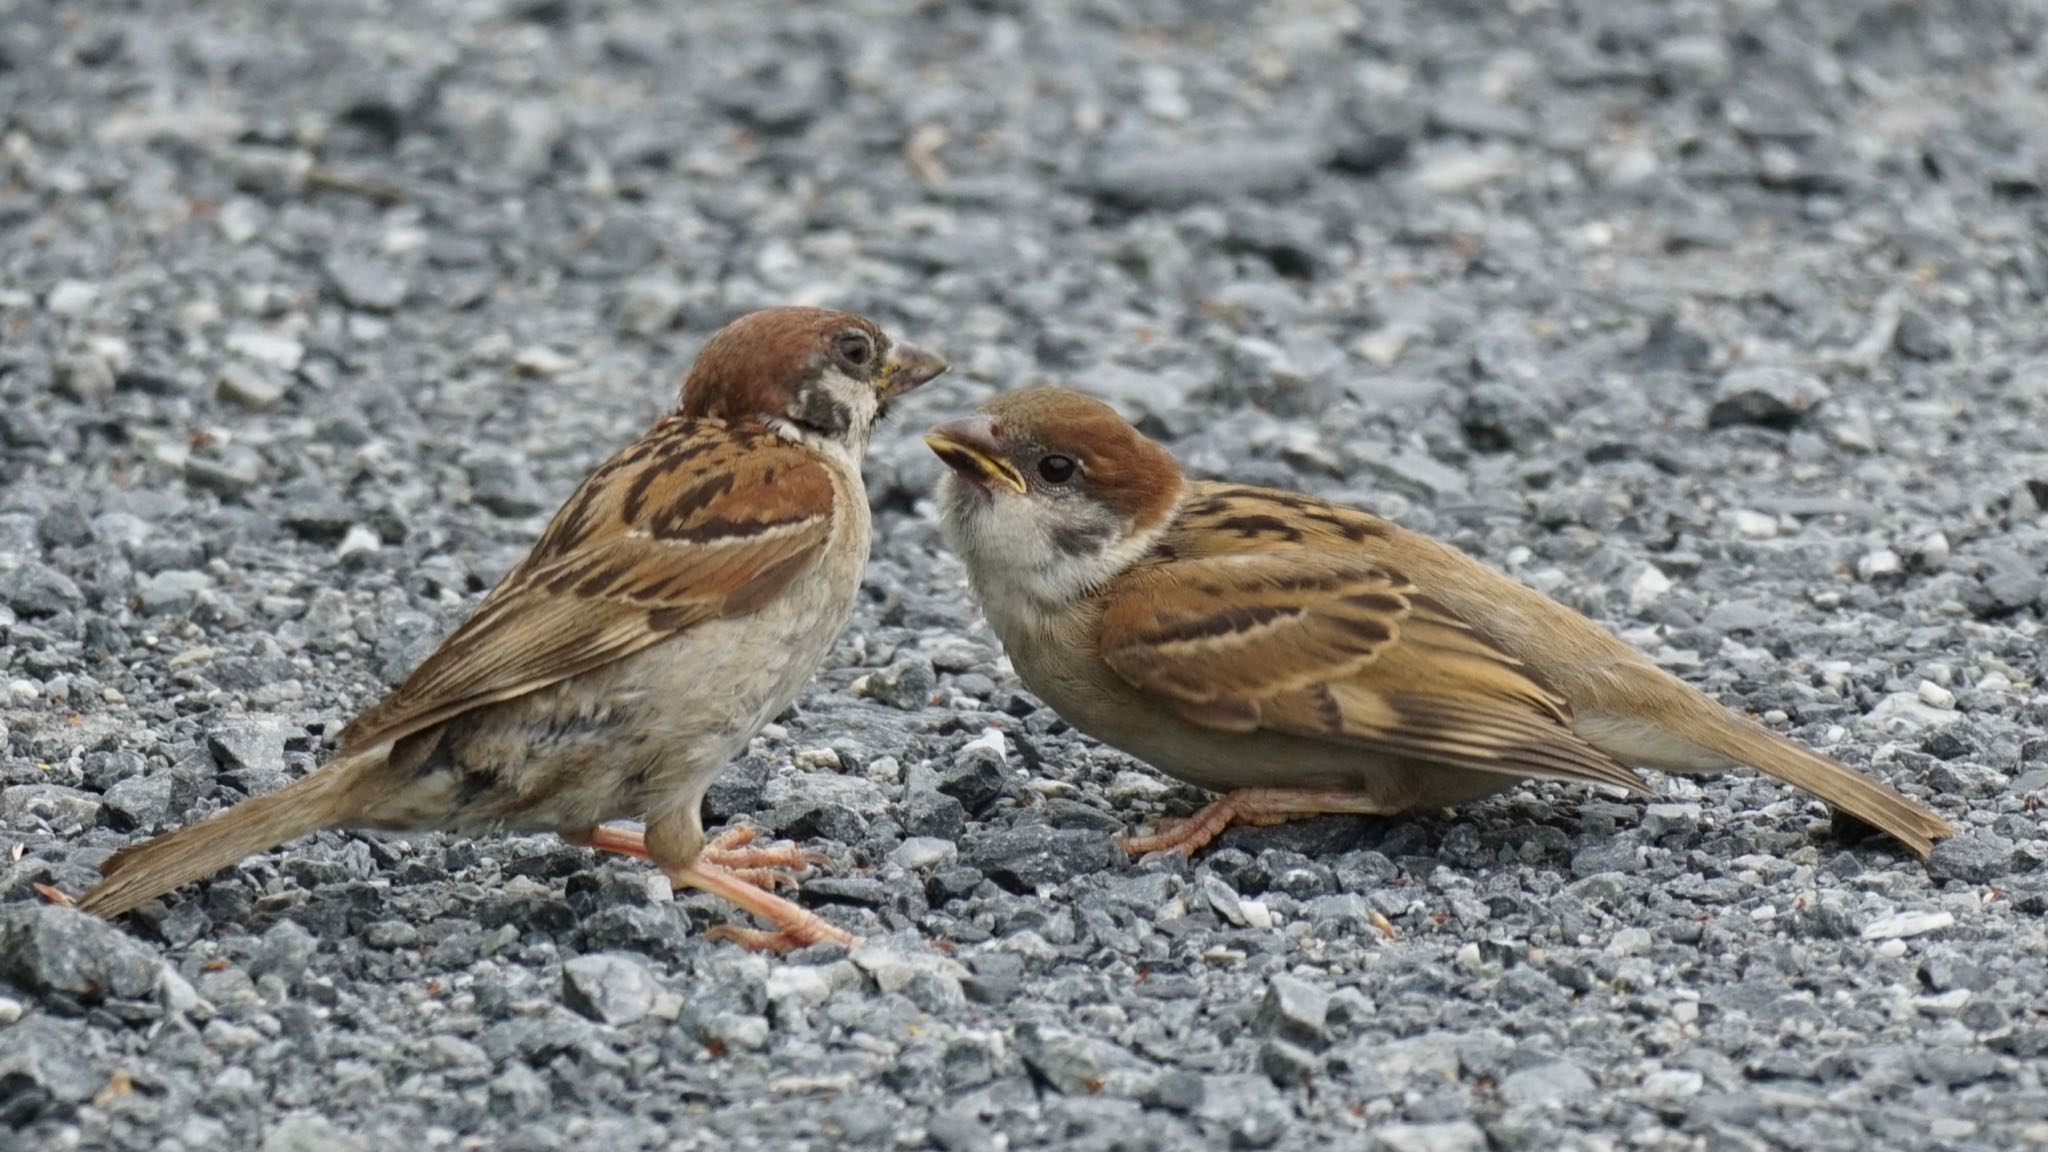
(1768, 396)
(506, 488)
(305, 1132)
(284, 952)
(45, 1070)
(139, 801)
(906, 684)
(2007, 582)
(87, 375)
(1920, 338)
(993, 977)
(922, 852)
(172, 592)
(1449, 1136)
(1071, 1063)
(1028, 856)
(609, 987)
(62, 951)
(1287, 1065)
(651, 305)
(1171, 175)
(365, 282)
(1553, 1083)
(35, 590)
(54, 806)
(227, 469)
(1976, 857)
(250, 751)
(256, 387)
(977, 777)
(1293, 1010)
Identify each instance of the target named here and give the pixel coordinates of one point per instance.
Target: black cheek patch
(820, 411)
(1083, 539)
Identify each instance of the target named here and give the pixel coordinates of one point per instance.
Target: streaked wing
(1316, 643)
(695, 521)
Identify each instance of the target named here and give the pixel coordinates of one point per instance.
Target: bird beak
(971, 447)
(907, 366)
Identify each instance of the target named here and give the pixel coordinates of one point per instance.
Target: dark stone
(1766, 396)
(1025, 857)
(1973, 858)
(74, 956)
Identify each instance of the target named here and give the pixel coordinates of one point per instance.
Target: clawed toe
(793, 926)
(785, 939)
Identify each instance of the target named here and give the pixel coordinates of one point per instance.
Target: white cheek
(1007, 543)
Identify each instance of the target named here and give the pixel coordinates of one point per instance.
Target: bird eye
(1057, 469)
(855, 348)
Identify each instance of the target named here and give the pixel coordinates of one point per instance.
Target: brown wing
(693, 522)
(1315, 643)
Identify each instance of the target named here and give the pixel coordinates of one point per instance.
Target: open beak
(906, 367)
(970, 447)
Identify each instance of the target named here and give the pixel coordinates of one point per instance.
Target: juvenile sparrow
(1306, 657)
(674, 605)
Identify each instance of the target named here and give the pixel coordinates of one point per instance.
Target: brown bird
(674, 605)
(1305, 657)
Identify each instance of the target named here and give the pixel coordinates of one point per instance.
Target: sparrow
(677, 602)
(1305, 657)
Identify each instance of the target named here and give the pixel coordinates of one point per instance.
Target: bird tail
(145, 871)
(1868, 800)
(1696, 735)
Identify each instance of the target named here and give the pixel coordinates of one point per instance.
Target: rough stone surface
(1720, 322)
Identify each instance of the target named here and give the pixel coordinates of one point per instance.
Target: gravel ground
(1719, 320)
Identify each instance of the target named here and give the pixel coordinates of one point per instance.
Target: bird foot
(1258, 806)
(769, 866)
(794, 927)
(732, 866)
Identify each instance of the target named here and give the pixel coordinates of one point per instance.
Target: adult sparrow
(674, 605)
(1306, 657)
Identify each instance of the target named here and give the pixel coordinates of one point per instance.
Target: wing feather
(694, 522)
(1313, 639)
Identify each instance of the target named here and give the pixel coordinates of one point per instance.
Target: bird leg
(1252, 806)
(732, 868)
(769, 866)
(795, 927)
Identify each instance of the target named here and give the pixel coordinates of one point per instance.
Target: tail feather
(145, 871)
(1690, 733)
(1871, 801)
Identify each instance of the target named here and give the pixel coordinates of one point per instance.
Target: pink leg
(1250, 806)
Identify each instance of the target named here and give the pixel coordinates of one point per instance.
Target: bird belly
(639, 738)
(1103, 706)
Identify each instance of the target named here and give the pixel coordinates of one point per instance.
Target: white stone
(264, 347)
(1935, 696)
(1753, 524)
(1647, 588)
(1905, 924)
(1945, 1004)
(1877, 563)
(920, 852)
(991, 739)
(541, 360)
(1906, 711)
(359, 538)
(71, 297)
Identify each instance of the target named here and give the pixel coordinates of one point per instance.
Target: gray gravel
(1721, 321)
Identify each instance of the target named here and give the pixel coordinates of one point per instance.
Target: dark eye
(1057, 469)
(855, 348)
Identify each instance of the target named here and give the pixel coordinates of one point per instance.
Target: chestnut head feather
(812, 373)
(1057, 477)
